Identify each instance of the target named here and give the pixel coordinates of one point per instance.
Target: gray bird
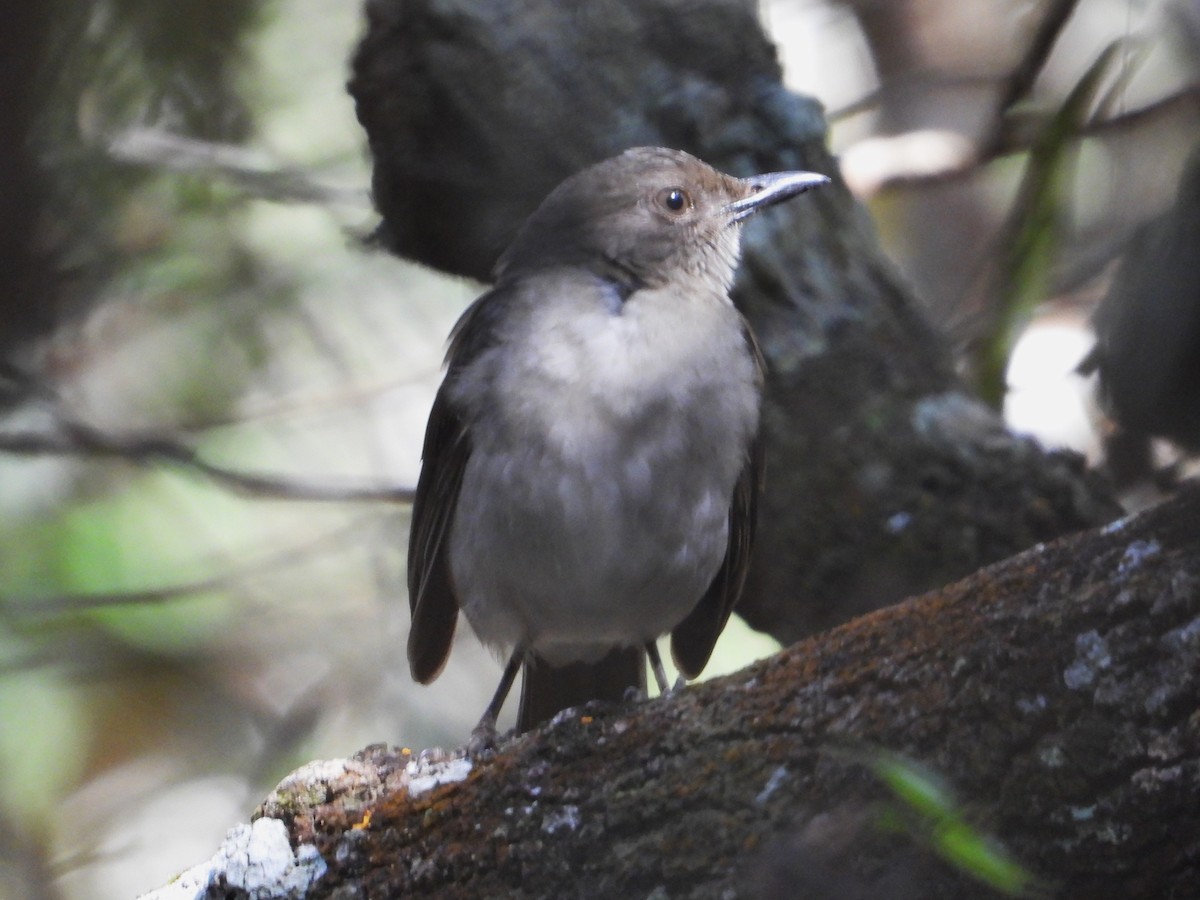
(591, 465)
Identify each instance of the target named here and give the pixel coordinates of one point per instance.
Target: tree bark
(1059, 692)
(884, 477)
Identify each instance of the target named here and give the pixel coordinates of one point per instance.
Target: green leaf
(927, 809)
(1030, 237)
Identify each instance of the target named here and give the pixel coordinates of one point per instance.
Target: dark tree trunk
(27, 271)
(883, 476)
(1059, 692)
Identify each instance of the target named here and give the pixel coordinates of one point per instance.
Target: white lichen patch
(1182, 638)
(425, 774)
(1091, 658)
(1116, 525)
(256, 860)
(1032, 705)
(1135, 555)
(313, 778)
(1052, 756)
(777, 778)
(564, 817)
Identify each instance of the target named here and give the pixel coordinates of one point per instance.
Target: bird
(1147, 351)
(591, 463)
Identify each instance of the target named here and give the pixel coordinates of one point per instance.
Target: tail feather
(546, 690)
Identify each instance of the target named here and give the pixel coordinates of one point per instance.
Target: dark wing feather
(693, 639)
(431, 596)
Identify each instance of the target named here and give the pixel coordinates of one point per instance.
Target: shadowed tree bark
(1058, 692)
(883, 476)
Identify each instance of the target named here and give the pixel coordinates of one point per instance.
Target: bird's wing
(693, 639)
(431, 595)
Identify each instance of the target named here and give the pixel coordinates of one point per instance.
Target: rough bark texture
(1059, 692)
(884, 477)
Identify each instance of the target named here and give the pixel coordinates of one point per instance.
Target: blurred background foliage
(182, 265)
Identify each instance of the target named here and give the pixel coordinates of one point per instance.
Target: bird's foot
(483, 739)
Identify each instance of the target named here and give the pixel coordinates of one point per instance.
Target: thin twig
(20, 610)
(74, 438)
(239, 165)
(1021, 79)
(1020, 140)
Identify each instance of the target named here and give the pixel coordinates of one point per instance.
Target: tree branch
(75, 438)
(1057, 692)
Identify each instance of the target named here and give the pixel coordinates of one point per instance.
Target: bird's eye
(674, 200)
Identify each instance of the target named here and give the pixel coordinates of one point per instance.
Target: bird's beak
(774, 187)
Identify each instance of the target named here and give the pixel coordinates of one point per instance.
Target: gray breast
(594, 507)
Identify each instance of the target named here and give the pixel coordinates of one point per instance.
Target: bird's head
(647, 215)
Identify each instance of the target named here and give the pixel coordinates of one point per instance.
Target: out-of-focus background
(193, 184)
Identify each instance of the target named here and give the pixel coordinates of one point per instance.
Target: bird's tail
(547, 690)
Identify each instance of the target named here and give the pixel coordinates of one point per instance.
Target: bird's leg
(483, 736)
(660, 674)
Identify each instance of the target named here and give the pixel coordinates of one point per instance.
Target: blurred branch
(1185, 99)
(75, 438)
(868, 102)
(1029, 239)
(159, 149)
(20, 609)
(1020, 81)
(24, 608)
(1022, 134)
(1019, 135)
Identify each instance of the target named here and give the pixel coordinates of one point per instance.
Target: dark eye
(675, 200)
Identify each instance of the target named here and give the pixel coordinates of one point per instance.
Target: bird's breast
(594, 508)
(592, 366)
